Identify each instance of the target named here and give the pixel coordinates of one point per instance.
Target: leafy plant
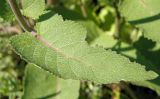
(60, 53)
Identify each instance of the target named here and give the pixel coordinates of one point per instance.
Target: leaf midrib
(57, 50)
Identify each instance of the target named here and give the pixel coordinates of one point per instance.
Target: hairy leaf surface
(62, 50)
(134, 54)
(40, 84)
(144, 14)
(33, 8)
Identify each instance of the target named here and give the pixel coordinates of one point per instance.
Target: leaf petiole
(19, 16)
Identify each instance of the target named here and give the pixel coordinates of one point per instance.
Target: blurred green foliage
(10, 83)
(99, 18)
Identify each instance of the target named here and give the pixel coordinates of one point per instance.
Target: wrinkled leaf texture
(63, 51)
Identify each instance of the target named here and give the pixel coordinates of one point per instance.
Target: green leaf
(133, 54)
(150, 50)
(33, 8)
(105, 40)
(62, 50)
(67, 13)
(39, 84)
(144, 14)
(93, 31)
(154, 85)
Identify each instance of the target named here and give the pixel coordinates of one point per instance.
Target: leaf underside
(62, 50)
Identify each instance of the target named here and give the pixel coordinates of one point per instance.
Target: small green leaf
(144, 14)
(67, 13)
(39, 84)
(93, 31)
(33, 8)
(62, 50)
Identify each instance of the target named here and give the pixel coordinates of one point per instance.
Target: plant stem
(117, 21)
(129, 91)
(83, 10)
(50, 3)
(116, 91)
(19, 16)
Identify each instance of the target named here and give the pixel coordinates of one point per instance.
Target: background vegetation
(107, 27)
